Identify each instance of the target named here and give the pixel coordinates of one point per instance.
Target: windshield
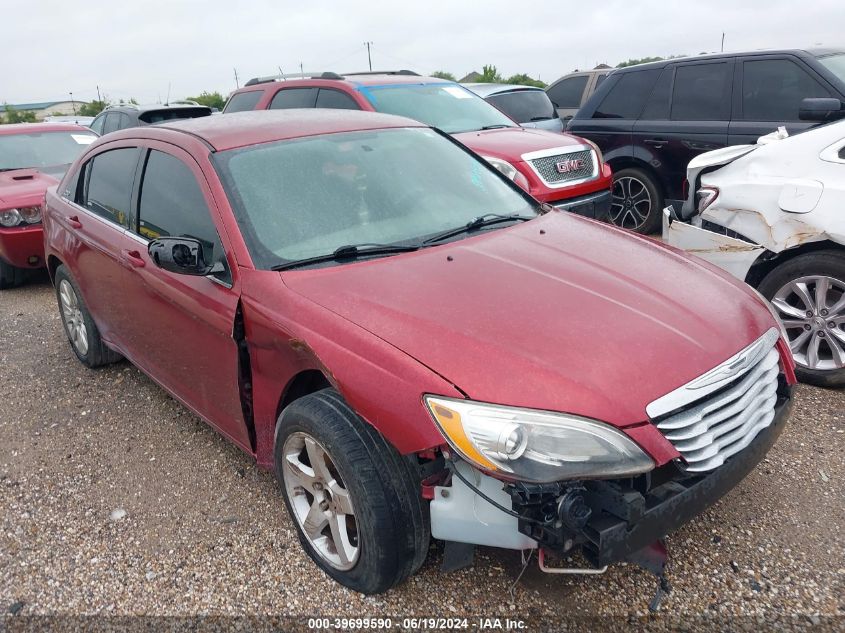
(525, 106)
(449, 107)
(42, 149)
(308, 197)
(836, 65)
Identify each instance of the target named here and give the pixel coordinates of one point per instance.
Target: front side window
(171, 203)
(567, 93)
(294, 98)
(109, 178)
(97, 124)
(243, 101)
(449, 107)
(772, 90)
(627, 98)
(50, 152)
(524, 106)
(701, 92)
(308, 197)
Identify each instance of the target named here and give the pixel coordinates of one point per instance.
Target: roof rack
(316, 75)
(385, 72)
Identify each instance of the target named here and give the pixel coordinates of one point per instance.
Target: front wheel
(10, 276)
(355, 500)
(636, 203)
(809, 294)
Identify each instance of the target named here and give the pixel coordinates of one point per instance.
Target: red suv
(565, 171)
(33, 156)
(415, 345)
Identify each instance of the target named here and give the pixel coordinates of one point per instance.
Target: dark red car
(566, 171)
(33, 156)
(414, 344)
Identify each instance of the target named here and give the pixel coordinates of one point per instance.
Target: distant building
(45, 108)
(470, 78)
(602, 67)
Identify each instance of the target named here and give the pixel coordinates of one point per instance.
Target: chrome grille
(720, 413)
(547, 167)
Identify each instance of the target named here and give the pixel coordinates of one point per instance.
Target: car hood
(512, 142)
(559, 313)
(24, 186)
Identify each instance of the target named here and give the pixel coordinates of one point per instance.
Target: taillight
(705, 197)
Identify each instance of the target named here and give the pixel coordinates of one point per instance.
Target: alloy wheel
(321, 503)
(812, 309)
(630, 204)
(72, 314)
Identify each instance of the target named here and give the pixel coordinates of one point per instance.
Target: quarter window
(243, 101)
(328, 98)
(108, 184)
(772, 90)
(625, 99)
(172, 204)
(294, 98)
(567, 93)
(701, 93)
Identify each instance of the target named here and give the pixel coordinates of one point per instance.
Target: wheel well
(768, 261)
(304, 383)
(53, 263)
(625, 162)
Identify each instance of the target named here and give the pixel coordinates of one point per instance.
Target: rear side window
(567, 93)
(158, 116)
(701, 92)
(772, 89)
(294, 98)
(243, 101)
(328, 98)
(524, 106)
(657, 106)
(112, 122)
(108, 184)
(625, 100)
(172, 204)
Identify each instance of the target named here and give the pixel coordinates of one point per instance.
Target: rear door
(697, 121)
(768, 93)
(182, 331)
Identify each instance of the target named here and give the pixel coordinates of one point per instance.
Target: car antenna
(167, 102)
(281, 73)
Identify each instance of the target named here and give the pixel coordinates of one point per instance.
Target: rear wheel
(355, 500)
(10, 276)
(809, 294)
(636, 202)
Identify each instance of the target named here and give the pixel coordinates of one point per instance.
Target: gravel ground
(116, 500)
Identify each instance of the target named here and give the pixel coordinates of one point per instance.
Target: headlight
(30, 215)
(595, 149)
(536, 446)
(773, 311)
(10, 217)
(503, 166)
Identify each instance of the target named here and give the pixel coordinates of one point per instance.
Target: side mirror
(821, 109)
(181, 255)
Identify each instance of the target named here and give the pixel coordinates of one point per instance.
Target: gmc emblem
(566, 166)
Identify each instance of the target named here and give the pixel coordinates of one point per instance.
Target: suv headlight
(10, 217)
(503, 166)
(596, 149)
(536, 446)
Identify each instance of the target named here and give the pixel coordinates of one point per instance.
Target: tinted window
(524, 106)
(294, 98)
(112, 122)
(174, 114)
(109, 177)
(657, 106)
(568, 93)
(335, 99)
(172, 204)
(772, 89)
(625, 99)
(243, 101)
(600, 80)
(97, 124)
(701, 93)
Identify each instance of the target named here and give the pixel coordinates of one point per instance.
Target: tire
(637, 201)
(820, 278)
(364, 474)
(81, 331)
(10, 276)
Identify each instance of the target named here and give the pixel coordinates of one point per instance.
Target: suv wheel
(636, 202)
(10, 276)
(355, 500)
(809, 294)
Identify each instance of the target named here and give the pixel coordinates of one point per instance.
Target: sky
(145, 49)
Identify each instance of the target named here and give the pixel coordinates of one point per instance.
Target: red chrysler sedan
(33, 156)
(415, 345)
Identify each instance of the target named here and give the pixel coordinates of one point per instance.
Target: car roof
(239, 129)
(23, 128)
(354, 80)
(813, 51)
(127, 107)
(485, 90)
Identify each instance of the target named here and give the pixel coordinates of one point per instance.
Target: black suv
(118, 117)
(651, 120)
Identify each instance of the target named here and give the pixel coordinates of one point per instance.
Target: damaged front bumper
(733, 255)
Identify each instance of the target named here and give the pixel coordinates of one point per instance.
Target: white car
(773, 214)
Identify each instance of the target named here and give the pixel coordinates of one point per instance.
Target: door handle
(655, 142)
(133, 258)
(74, 222)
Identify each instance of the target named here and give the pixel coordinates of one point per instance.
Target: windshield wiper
(542, 118)
(350, 251)
(476, 223)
